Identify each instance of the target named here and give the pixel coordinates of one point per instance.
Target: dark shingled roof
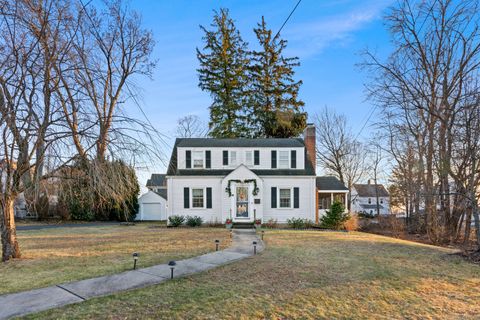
(162, 193)
(368, 190)
(224, 143)
(240, 142)
(330, 183)
(157, 180)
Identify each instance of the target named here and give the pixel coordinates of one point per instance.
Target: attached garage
(153, 206)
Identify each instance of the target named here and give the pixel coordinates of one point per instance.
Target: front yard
(53, 256)
(310, 275)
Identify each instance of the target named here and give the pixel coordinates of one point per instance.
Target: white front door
(242, 205)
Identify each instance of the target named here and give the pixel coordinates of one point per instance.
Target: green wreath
(255, 191)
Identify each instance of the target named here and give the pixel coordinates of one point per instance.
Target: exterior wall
(223, 206)
(175, 197)
(307, 198)
(217, 157)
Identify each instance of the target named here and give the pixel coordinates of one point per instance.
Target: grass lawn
(53, 256)
(309, 275)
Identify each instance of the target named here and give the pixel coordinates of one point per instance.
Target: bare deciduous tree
(191, 126)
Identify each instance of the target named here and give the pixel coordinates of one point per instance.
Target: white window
(197, 198)
(233, 158)
(283, 159)
(249, 158)
(285, 197)
(198, 159)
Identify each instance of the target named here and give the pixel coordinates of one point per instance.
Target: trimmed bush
(176, 221)
(194, 221)
(296, 223)
(335, 217)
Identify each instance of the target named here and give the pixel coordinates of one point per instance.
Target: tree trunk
(10, 248)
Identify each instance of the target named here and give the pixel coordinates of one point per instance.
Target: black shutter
(225, 157)
(188, 159)
(256, 157)
(274, 159)
(208, 159)
(296, 197)
(209, 198)
(293, 159)
(274, 197)
(186, 198)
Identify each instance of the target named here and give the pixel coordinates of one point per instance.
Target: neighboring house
(364, 198)
(157, 182)
(152, 206)
(243, 179)
(329, 190)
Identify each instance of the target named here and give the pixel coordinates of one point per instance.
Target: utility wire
(286, 20)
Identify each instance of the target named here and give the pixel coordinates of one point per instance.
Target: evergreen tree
(276, 109)
(223, 72)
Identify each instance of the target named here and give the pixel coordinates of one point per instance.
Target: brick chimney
(309, 138)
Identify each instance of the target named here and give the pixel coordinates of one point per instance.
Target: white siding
(151, 207)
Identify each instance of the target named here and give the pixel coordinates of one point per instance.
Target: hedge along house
(243, 179)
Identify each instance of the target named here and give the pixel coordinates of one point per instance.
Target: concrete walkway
(22, 303)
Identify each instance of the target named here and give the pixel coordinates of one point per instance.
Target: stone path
(22, 303)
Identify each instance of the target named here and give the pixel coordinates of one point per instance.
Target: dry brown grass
(309, 275)
(53, 256)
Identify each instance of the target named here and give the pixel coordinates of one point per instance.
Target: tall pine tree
(223, 72)
(276, 110)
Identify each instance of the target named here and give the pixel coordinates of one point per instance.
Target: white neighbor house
(364, 198)
(243, 179)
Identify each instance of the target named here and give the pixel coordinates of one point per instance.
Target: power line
(286, 20)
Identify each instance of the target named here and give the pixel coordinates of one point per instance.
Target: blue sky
(327, 36)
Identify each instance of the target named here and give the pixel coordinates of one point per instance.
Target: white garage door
(154, 211)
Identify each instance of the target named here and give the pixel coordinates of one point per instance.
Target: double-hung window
(283, 159)
(233, 158)
(197, 198)
(198, 161)
(249, 158)
(285, 196)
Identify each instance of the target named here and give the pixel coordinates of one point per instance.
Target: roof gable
(157, 180)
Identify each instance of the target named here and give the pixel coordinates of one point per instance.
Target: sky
(327, 36)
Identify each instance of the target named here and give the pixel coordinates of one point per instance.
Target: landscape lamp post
(217, 242)
(263, 233)
(135, 258)
(254, 247)
(172, 265)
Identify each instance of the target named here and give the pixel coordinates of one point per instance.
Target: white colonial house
(364, 199)
(243, 179)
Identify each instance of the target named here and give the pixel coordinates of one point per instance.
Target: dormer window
(283, 159)
(198, 161)
(249, 158)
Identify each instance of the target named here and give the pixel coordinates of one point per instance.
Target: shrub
(309, 223)
(335, 217)
(352, 223)
(366, 215)
(271, 224)
(194, 221)
(296, 223)
(175, 220)
(392, 224)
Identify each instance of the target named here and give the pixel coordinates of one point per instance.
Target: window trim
(204, 206)
(279, 206)
(251, 163)
(230, 158)
(202, 156)
(287, 161)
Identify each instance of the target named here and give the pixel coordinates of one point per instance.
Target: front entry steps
(243, 225)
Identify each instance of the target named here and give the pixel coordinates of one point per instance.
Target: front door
(241, 211)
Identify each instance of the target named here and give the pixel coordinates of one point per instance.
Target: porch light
(135, 258)
(172, 265)
(217, 242)
(254, 247)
